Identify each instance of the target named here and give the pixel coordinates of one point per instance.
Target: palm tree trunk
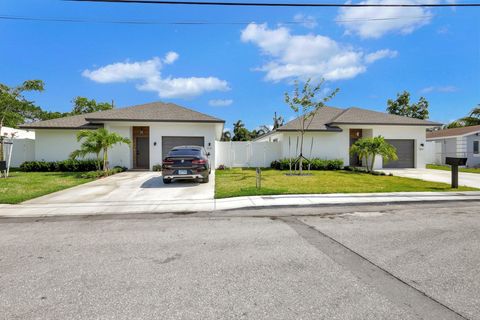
(373, 162)
(105, 157)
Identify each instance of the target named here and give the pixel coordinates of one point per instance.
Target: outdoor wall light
(155, 143)
(422, 145)
(209, 144)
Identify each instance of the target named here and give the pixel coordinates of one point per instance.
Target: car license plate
(182, 172)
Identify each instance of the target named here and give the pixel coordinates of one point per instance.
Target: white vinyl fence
(433, 152)
(22, 150)
(246, 154)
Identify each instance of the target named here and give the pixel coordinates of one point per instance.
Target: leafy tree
(402, 106)
(277, 121)
(82, 105)
(100, 139)
(15, 108)
(306, 106)
(369, 148)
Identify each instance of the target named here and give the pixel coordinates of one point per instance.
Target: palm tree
(96, 141)
(369, 148)
(277, 121)
(90, 145)
(226, 136)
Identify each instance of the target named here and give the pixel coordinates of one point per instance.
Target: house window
(475, 147)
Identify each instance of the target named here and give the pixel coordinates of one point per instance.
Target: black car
(186, 162)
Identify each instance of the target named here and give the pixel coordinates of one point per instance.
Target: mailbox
(3, 165)
(456, 161)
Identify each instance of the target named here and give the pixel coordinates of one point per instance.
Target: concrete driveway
(464, 179)
(129, 191)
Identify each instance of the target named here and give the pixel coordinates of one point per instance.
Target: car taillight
(167, 161)
(201, 161)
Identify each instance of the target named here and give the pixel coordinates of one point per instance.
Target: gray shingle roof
(319, 122)
(328, 119)
(72, 122)
(155, 112)
(363, 116)
(453, 132)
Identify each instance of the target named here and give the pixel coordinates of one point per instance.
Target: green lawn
(241, 182)
(21, 186)
(447, 168)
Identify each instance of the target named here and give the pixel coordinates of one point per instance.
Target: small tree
(369, 148)
(402, 106)
(99, 139)
(306, 107)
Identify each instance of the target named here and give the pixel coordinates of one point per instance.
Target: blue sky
(241, 71)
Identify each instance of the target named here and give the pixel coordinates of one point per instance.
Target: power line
(280, 4)
(145, 22)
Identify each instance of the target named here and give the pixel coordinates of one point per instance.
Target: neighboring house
(153, 128)
(334, 130)
(23, 145)
(457, 142)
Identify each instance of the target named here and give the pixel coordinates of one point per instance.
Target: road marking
(385, 283)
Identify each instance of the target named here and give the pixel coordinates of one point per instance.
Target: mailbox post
(454, 163)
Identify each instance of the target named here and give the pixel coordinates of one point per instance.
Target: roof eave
(433, 124)
(150, 120)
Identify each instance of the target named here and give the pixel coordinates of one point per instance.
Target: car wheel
(167, 181)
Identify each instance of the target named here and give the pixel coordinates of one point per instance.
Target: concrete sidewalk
(209, 205)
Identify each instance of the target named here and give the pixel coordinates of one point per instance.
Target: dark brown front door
(355, 134)
(142, 152)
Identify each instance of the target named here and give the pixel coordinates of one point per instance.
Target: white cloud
(170, 57)
(149, 75)
(374, 22)
(307, 21)
(124, 71)
(220, 102)
(441, 89)
(380, 54)
(307, 56)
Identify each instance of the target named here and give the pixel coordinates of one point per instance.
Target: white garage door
(169, 142)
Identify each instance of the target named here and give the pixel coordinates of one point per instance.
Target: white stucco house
(153, 128)
(457, 142)
(334, 130)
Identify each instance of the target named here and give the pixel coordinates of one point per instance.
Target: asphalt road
(386, 262)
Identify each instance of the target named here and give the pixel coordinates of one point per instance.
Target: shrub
(101, 173)
(364, 170)
(315, 164)
(157, 167)
(63, 166)
(221, 167)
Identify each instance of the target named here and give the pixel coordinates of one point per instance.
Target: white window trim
(473, 149)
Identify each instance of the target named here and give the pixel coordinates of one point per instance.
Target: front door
(355, 135)
(142, 153)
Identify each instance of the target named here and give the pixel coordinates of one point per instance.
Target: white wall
(55, 144)
(247, 154)
(122, 155)
(23, 150)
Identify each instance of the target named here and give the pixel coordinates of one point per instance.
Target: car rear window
(184, 152)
